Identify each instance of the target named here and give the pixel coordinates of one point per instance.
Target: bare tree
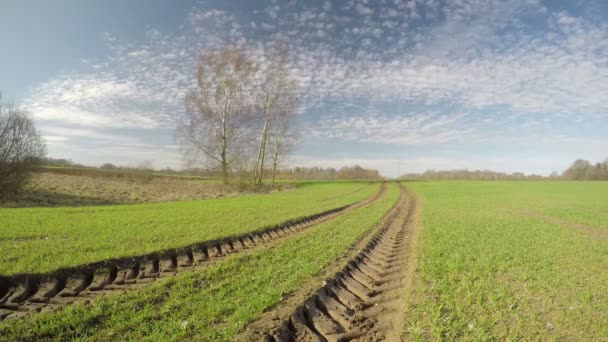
(273, 86)
(21, 146)
(283, 120)
(145, 165)
(218, 111)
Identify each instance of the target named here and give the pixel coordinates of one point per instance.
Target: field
(35, 240)
(511, 260)
(216, 303)
(436, 260)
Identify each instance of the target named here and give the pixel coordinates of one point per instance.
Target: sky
(397, 85)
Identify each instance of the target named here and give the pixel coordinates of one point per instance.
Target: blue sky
(508, 85)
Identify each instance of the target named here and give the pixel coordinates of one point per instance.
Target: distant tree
(357, 172)
(48, 161)
(21, 147)
(108, 166)
(312, 173)
(470, 175)
(577, 171)
(145, 165)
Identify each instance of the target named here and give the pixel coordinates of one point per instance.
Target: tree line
(584, 170)
(319, 173)
(581, 169)
(465, 174)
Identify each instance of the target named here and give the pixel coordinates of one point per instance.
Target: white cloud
(364, 10)
(92, 103)
(468, 57)
(52, 139)
(404, 129)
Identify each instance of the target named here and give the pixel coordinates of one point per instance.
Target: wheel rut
(365, 300)
(24, 294)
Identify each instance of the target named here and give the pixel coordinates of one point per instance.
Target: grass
(211, 305)
(490, 266)
(45, 239)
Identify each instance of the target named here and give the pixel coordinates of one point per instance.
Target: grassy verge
(487, 270)
(44, 239)
(213, 304)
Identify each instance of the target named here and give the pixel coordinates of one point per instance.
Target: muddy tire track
(23, 294)
(365, 301)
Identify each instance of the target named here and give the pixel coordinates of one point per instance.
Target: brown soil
(30, 293)
(364, 301)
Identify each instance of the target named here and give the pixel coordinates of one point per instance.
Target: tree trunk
(259, 166)
(224, 168)
(274, 165)
(262, 155)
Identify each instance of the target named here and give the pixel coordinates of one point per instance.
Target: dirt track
(365, 301)
(30, 293)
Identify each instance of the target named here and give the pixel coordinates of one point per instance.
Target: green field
(214, 304)
(511, 261)
(44, 239)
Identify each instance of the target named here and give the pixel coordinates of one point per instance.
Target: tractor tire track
(365, 301)
(23, 294)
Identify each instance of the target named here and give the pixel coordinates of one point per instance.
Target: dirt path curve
(365, 301)
(23, 294)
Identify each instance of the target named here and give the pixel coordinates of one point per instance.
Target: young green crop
(44, 239)
(214, 304)
(492, 264)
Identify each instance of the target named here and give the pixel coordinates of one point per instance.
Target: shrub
(21, 146)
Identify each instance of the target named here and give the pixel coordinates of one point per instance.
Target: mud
(365, 301)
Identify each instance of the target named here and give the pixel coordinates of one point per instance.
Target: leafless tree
(218, 111)
(274, 85)
(145, 165)
(283, 133)
(21, 146)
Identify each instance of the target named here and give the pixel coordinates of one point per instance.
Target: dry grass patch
(52, 189)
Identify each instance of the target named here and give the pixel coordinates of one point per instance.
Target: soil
(364, 301)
